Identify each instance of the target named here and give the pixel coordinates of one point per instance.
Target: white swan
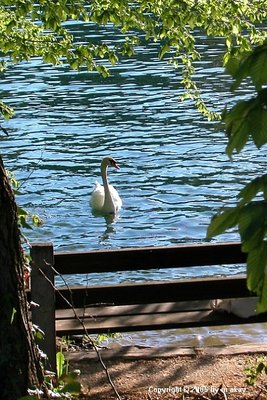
(105, 199)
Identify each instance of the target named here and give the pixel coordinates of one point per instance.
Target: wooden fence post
(43, 293)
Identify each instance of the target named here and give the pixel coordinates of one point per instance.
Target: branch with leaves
(39, 29)
(248, 120)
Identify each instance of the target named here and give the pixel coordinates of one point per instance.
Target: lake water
(174, 172)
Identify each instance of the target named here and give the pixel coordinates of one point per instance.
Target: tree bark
(20, 366)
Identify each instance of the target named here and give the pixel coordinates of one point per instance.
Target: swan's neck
(108, 202)
(104, 169)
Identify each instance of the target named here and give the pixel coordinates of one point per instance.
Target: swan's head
(109, 161)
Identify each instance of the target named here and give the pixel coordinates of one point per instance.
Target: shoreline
(145, 352)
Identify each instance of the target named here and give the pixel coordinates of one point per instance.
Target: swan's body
(105, 199)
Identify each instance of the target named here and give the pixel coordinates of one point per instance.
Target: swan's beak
(113, 163)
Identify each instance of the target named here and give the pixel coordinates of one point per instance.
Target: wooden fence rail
(131, 306)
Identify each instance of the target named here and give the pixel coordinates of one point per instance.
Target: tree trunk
(20, 367)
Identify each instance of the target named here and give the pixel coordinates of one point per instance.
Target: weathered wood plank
(42, 293)
(155, 292)
(135, 322)
(151, 321)
(188, 255)
(106, 311)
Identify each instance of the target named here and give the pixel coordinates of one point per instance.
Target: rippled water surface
(174, 172)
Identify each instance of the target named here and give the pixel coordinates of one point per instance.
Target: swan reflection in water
(105, 200)
(108, 232)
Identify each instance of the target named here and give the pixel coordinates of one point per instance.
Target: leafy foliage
(251, 64)
(248, 120)
(250, 217)
(25, 218)
(39, 29)
(66, 380)
(254, 371)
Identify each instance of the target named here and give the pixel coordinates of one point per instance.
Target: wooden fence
(132, 306)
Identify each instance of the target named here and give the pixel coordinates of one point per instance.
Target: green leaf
(102, 70)
(246, 118)
(232, 64)
(253, 64)
(60, 361)
(258, 68)
(21, 211)
(36, 220)
(6, 111)
(256, 263)
(164, 49)
(38, 333)
(238, 137)
(223, 221)
(252, 224)
(236, 124)
(242, 71)
(113, 59)
(14, 311)
(258, 184)
(23, 222)
(235, 29)
(256, 276)
(262, 304)
(258, 125)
